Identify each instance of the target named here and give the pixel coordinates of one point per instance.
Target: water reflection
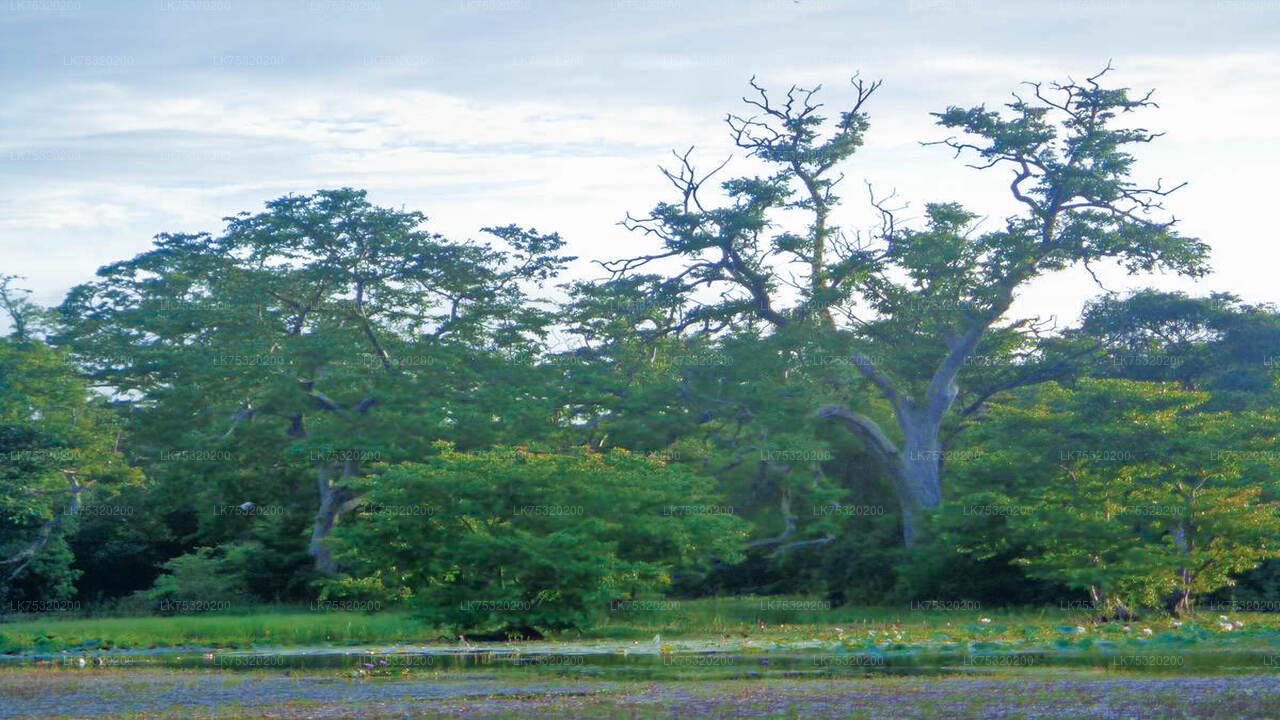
(646, 665)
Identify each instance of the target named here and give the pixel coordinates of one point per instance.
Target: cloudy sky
(121, 120)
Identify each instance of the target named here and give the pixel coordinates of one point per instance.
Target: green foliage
(296, 361)
(511, 537)
(208, 575)
(1073, 161)
(120, 547)
(57, 452)
(278, 360)
(1215, 343)
(940, 568)
(1131, 490)
(910, 306)
(26, 317)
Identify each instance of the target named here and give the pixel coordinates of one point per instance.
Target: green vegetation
(329, 402)
(515, 538)
(244, 628)
(1157, 518)
(59, 453)
(755, 624)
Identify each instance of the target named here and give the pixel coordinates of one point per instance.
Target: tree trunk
(335, 499)
(917, 475)
(1181, 607)
(909, 504)
(916, 468)
(1107, 607)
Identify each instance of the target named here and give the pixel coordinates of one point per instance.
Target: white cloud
(565, 131)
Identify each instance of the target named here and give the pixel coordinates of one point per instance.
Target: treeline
(328, 399)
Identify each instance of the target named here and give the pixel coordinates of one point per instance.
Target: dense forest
(327, 401)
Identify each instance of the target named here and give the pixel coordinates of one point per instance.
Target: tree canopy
(328, 399)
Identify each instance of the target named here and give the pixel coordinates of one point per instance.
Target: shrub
(208, 576)
(512, 538)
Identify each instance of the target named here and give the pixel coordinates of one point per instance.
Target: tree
(1216, 343)
(511, 538)
(25, 316)
(317, 336)
(915, 305)
(727, 405)
(1132, 491)
(57, 447)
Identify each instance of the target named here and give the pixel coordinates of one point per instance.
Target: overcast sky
(122, 120)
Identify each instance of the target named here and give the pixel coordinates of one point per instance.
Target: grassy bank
(241, 628)
(776, 619)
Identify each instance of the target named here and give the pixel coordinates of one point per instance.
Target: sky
(122, 120)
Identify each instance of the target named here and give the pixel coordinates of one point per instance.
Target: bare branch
(864, 427)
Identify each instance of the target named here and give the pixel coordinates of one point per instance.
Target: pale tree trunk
(1182, 602)
(916, 467)
(919, 475)
(332, 481)
(1182, 605)
(1108, 607)
(335, 499)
